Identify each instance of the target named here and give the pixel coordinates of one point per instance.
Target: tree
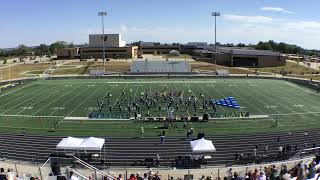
(229, 45)
(135, 43)
(263, 46)
(58, 45)
(21, 50)
(273, 45)
(241, 45)
(43, 49)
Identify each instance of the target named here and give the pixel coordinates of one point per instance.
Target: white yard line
(262, 94)
(53, 100)
(38, 101)
(294, 85)
(182, 102)
(24, 95)
(15, 90)
(28, 116)
(189, 89)
(70, 99)
(296, 113)
(78, 106)
(256, 108)
(310, 99)
(214, 87)
(119, 95)
(294, 101)
(27, 100)
(134, 97)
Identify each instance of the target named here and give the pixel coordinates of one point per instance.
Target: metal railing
(306, 152)
(92, 168)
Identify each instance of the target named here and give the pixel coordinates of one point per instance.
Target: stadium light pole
(102, 14)
(215, 15)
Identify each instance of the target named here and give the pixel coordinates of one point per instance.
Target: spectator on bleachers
(138, 177)
(72, 176)
(156, 177)
(311, 171)
(301, 172)
(202, 177)
(132, 177)
(162, 139)
(120, 177)
(262, 176)
(284, 175)
(255, 175)
(274, 173)
(255, 152)
(236, 176)
(280, 150)
(266, 148)
(248, 176)
(145, 176)
(158, 160)
(305, 145)
(11, 175)
(230, 174)
(3, 175)
(236, 155)
(267, 172)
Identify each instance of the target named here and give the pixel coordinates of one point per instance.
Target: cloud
(304, 25)
(249, 19)
(302, 33)
(276, 9)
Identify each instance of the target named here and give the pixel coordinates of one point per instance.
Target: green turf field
(35, 106)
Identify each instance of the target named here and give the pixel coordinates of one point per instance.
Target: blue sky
(32, 22)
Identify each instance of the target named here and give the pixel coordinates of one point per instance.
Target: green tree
(43, 49)
(263, 46)
(58, 45)
(241, 45)
(135, 43)
(21, 50)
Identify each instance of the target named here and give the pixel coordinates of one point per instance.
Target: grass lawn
(76, 70)
(113, 66)
(203, 66)
(290, 67)
(20, 70)
(35, 106)
(182, 56)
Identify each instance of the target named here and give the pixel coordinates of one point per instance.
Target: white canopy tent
(70, 143)
(202, 146)
(92, 143)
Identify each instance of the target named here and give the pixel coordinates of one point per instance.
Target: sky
(32, 22)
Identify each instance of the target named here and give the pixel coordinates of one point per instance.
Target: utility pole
(102, 14)
(215, 14)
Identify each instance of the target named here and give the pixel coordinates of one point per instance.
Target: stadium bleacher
(160, 67)
(130, 151)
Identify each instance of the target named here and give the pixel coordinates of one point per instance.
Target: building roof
(104, 34)
(242, 51)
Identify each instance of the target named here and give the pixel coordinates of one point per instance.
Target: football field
(36, 106)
